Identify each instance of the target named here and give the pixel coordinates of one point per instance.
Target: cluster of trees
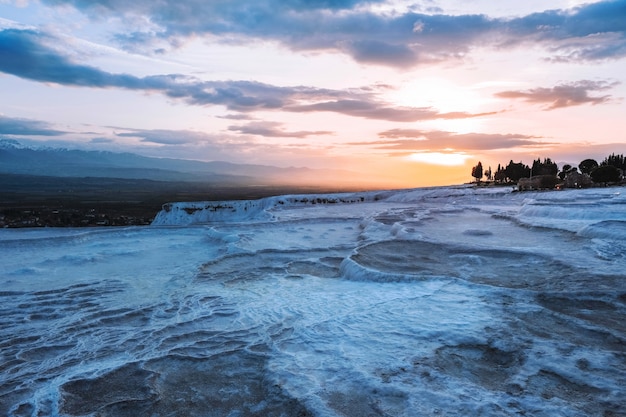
(611, 169)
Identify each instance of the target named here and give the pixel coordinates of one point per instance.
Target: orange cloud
(564, 95)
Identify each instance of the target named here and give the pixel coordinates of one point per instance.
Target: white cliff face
(453, 301)
(235, 211)
(208, 212)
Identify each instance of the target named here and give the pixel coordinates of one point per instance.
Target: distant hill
(16, 158)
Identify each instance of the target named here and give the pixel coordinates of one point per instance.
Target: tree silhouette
(477, 171)
(547, 167)
(613, 168)
(515, 171)
(564, 171)
(587, 166)
(606, 173)
(618, 161)
(488, 174)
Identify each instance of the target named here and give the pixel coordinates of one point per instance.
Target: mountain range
(15, 158)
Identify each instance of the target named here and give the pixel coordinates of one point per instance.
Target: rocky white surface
(451, 301)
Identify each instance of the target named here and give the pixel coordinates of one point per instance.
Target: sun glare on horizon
(439, 158)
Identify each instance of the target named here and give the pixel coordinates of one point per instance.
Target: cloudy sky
(410, 92)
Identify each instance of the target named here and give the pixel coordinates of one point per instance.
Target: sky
(402, 93)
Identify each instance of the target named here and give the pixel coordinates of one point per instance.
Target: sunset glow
(439, 158)
(352, 84)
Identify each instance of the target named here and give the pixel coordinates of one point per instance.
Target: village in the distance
(545, 175)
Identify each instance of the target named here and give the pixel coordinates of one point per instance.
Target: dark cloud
(274, 129)
(371, 109)
(236, 117)
(101, 140)
(564, 95)
(414, 139)
(464, 115)
(168, 137)
(321, 4)
(26, 54)
(26, 127)
(186, 8)
(590, 32)
(377, 52)
(189, 144)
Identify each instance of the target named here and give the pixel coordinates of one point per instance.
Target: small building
(538, 182)
(577, 180)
